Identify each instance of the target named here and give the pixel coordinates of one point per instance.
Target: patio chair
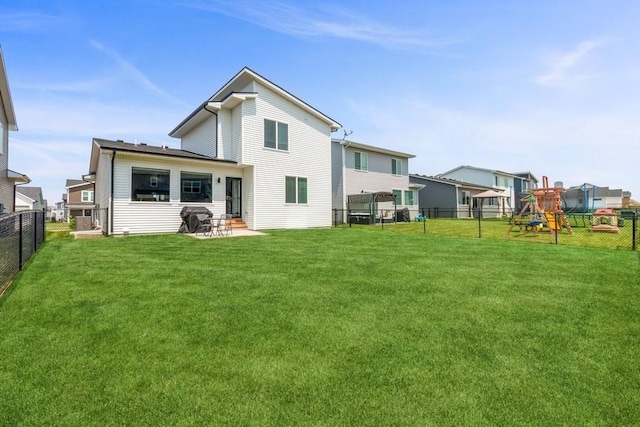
(224, 226)
(204, 224)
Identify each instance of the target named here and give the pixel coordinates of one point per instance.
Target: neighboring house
(79, 198)
(29, 198)
(495, 179)
(588, 197)
(450, 198)
(252, 150)
(359, 168)
(58, 211)
(8, 178)
(523, 184)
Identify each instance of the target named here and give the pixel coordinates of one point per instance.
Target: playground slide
(552, 223)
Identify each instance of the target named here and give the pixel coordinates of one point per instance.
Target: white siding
(202, 139)
(309, 156)
(102, 196)
(158, 217)
(6, 186)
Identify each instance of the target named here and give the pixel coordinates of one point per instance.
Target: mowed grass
(498, 229)
(321, 327)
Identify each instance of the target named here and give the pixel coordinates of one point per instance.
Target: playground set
(542, 212)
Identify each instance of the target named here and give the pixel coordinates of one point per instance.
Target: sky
(547, 87)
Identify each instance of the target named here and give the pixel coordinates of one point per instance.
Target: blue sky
(548, 87)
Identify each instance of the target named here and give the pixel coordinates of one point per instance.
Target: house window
(295, 190)
(396, 167)
(87, 196)
(397, 195)
(276, 135)
(408, 197)
(196, 187)
(362, 161)
(465, 197)
(149, 185)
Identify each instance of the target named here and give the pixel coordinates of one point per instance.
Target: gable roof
(74, 182)
(33, 193)
(141, 148)
(495, 171)
(453, 182)
(231, 93)
(5, 96)
(365, 147)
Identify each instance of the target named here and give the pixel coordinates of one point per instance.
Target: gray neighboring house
(8, 178)
(588, 197)
(358, 168)
(29, 199)
(450, 198)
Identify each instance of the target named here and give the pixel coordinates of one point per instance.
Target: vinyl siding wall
(157, 217)
(202, 139)
(6, 186)
(308, 156)
(378, 177)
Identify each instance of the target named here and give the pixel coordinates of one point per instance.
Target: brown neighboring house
(80, 199)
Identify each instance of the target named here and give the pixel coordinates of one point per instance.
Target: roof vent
(119, 140)
(143, 143)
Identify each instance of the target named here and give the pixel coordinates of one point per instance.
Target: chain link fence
(619, 231)
(21, 234)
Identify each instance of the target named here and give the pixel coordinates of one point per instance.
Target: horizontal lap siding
(309, 156)
(161, 217)
(6, 186)
(202, 139)
(378, 177)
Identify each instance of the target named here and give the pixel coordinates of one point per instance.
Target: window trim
(278, 127)
(91, 195)
(297, 190)
(397, 193)
(398, 168)
(412, 198)
(358, 157)
(191, 178)
(153, 197)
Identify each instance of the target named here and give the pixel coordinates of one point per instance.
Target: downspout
(216, 134)
(113, 164)
(344, 144)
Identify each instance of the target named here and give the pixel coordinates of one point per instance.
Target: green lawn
(322, 327)
(498, 229)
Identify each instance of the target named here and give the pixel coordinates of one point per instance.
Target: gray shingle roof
(153, 149)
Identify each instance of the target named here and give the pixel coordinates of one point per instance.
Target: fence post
(634, 229)
(19, 241)
(479, 210)
(381, 219)
(558, 226)
(424, 222)
(349, 217)
(44, 226)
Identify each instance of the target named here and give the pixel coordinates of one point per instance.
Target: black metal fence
(21, 234)
(619, 231)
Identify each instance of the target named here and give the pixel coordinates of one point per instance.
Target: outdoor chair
(224, 225)
(204, 225)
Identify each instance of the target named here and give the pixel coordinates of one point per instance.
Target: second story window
(396, 167)
(276, 135)
(87, 196)
(362, 161)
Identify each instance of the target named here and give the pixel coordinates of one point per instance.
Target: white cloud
(337, 23)
(565, 68)
(571, 147)
(30, 21)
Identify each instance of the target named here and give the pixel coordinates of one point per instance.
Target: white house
(29, 198)
(252, 150)
(8, 178)
(491, 178)
(360, 168)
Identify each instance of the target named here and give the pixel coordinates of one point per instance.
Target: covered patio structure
(364, 208)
